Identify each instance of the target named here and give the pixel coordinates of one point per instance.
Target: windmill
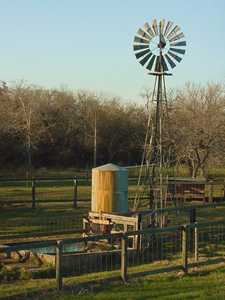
(158, 46)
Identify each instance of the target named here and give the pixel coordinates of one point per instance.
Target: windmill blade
(178, 44)
(161, 26)
(164, 65)
(137, 39)
(151, 62)
(177, 58)
(173, 32)
(155, 26)
(149, 30)
(180, 51)
(144, 60)
(140, 47)
(171, 45)
(143, 34)
(177, 37)
(171, 63)
(168, 27)
(142, 53)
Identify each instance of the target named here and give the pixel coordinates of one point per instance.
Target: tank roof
(110, 167)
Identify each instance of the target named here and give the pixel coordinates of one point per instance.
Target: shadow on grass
(97, 285)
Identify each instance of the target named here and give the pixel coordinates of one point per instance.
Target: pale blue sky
(88, 44)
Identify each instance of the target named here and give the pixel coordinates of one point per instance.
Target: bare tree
(198, 122)
(25, 100)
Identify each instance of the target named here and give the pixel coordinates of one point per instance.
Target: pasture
(54, 213)
(55, 217)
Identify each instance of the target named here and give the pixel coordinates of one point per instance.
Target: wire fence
(69, 191)
(43, 192)
(52, 206)
(211, 239)
(181, 245)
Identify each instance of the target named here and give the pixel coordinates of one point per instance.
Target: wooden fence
(160, 243)
(36, 191)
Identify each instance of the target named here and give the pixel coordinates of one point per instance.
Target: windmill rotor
(159, 46)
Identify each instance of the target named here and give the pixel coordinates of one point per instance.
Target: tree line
(51, 128)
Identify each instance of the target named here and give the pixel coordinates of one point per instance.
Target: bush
(9, 274)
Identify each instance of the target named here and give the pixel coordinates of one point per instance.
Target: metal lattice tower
(158, 46)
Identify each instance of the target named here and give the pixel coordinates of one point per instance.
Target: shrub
(9, 273)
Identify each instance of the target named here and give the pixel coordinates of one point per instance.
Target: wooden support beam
(196, 241)
(124, 259)
(119, 219)
(192, 217)
(184, 249)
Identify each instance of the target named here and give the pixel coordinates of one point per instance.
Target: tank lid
(110, 167)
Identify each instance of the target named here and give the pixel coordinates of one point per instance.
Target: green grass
(50, 216)
(43, 172)
(71, 172)
(156, 281)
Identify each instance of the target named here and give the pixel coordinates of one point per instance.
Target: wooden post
(75, 181)
(58, 265)
(192, 220)
(224, 190)
(184, 249)
(196, 241)
(139, 236)
(124, 259)
(33, 194)
(211, 191)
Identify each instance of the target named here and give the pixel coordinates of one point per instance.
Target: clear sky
(88, 44)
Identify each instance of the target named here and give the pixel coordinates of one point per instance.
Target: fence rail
(48, 191)
(189, 241)
(66, 222)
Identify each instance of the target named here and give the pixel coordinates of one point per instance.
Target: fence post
(124, 258)
(33, 194)
(58, 265)
(184, 249)
(75, 182)
(192, 221)
(224, 190)
(196, 241)
(211, 191)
